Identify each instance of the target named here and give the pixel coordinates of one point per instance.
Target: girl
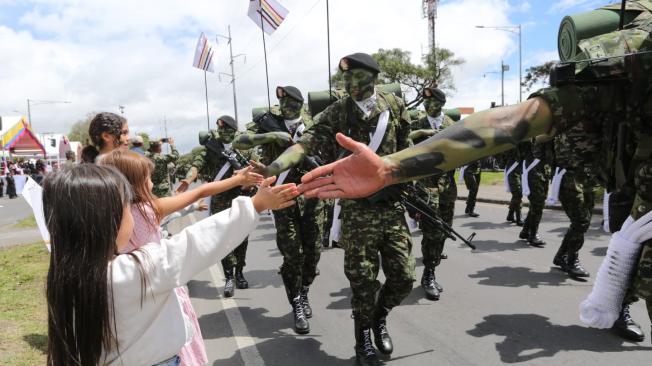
(148, 211)
(107, 131)
(121, 309)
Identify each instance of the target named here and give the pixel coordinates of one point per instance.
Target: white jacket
(155, 331)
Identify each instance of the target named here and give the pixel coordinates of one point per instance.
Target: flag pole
(208, 120)
(328, 38)
(262, 29)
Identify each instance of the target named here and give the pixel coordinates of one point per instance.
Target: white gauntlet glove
(602, 307)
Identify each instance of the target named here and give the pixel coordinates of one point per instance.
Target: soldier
(540, 163)
(441, 188)
(215, 160)
(472, 181)
(575, 151)
(299, 227)
(160, 174)
(371, 229)
(513, 169)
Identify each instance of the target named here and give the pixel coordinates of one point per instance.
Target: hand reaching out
(248, 177)
(274, 198)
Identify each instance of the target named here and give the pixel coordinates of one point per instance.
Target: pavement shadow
(491, 246)
(532, 336)
(264, 237)
(202, 290)
(518, 277)
(483, 225)
(268, 226)
(342, 304)
(274, 252)
(262, 278)
(37, 341)
(593, 232)
(599, 251)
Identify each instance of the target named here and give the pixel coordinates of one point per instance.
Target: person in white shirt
(120, 309)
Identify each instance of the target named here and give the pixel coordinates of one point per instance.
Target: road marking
(246, 344)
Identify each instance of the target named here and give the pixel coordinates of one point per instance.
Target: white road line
(246, 344)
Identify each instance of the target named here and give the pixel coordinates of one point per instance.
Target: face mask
(359, 83)
(226, 134)
(433, 107)
(290, 108)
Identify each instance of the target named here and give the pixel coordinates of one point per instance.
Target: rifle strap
(509, 171)
(525, 185)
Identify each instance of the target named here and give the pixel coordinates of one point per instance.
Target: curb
(596, 210)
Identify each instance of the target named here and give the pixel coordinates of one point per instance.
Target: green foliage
(396, 67)
(26, 223)
(539, 74)
(79, 130)
(146, 140)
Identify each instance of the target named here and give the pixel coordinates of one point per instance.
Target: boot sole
(629, 336)
(229, 295)
(301, 331)
(242, 287)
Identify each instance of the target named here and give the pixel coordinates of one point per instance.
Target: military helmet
(289, 91)
(229, 121)
(359, 61)
(434, 93)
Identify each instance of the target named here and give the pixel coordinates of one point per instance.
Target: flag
(203, 54)
(272, 12)
(33, 194)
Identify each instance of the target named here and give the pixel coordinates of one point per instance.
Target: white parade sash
(374, 144)
(33, 194)
(460, 178)
(218, 177)
(605, 212)
(525, 185)
(553, 197)
(295, 138)
(509, 171)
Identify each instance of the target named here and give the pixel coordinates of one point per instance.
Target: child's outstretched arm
(243, 177)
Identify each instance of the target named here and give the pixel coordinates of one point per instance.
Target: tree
(396, 67)
(538, 74)
(79, 130)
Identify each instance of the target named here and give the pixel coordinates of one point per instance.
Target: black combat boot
(428, 284)
(229, 290)
(560, 256)
(301, 325)
(365, 353)
(470, 211)
(627, 327)
(535, 239)
(525, 233)
(381, 335)
(510, 216)
(304, 301)
(517, 216)
(240, 281)
(574, 267)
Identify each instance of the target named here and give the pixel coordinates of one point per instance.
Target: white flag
(270, 12)
(33, 194)
(203, 54)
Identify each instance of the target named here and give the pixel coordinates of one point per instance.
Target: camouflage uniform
(471, 177)
(160, 174)
(443, 193)
(208, 164)
(299, 228)
(514, 178)
(575, 151)
(538, 180)
(370, 229)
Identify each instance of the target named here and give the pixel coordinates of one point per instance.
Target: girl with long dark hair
(106, 308)
(108, 131)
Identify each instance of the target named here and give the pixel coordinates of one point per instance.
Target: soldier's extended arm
(174, 154)
(418, 134)
(196, 164)
(481, 134)
(247, 140)
(292, 156)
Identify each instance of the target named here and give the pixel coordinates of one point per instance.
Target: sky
(102, 54)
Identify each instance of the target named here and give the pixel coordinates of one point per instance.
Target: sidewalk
(496, 194)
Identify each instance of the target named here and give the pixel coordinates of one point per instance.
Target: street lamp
(516, 29)
(503, 68)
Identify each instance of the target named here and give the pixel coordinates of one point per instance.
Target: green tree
(396, 67)
(79, 130)
(539, 74)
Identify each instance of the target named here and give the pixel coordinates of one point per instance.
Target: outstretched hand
(358, 175)
(274, 198)
(247, 177)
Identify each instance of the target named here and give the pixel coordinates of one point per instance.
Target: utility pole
(122, 109)
(232, 74)
(503, 68)
(429, 8)
(165, 129)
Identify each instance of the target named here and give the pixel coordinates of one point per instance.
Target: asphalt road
(504, 303)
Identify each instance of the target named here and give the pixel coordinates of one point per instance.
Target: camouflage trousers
(299, 231)
(538, 180)
(432, 243)
(642, 284)
(514, 181)
(472, 182)
(374, 236)
(577, 197)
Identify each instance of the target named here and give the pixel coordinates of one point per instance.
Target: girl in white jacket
(111, 309)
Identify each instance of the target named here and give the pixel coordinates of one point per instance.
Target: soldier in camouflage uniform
(210, 162)
(538, 180)
(471, 177)
(371, 229)
(515, 156)
(575, 151)
(160, 174)
(441, 188)
(299, 228)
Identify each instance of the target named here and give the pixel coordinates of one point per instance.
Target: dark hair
(108, 122)
(81, 322)
(89, 154)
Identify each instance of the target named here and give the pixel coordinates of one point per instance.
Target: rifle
(412, 196)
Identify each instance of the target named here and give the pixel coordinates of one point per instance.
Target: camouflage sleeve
(173, 156)
(403, 130)
(322, 131)
(196, 163)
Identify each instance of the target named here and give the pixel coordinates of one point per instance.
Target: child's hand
(247, 177)
(202, 205)
(274, 198)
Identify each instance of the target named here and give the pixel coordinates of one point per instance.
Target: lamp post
(503, 68)
(30, 103)
(516, 29)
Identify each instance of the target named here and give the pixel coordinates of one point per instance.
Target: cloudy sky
(99, 54)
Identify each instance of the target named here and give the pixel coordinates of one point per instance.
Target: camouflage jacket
(434, 181)
(161, 172)
(578, 150)
(345, 117)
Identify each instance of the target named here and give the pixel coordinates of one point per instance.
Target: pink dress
(193, 353)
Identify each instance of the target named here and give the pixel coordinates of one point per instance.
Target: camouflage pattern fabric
(538, 179)
(442, 193)
(472, 175)
(642, 283)
(514, 178)
(369, 229)
(577, 197)
(160, 174)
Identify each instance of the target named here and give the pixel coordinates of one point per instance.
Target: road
(504, 303)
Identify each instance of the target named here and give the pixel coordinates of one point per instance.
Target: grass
(487, 178)
(23, 315)
(26, 223)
